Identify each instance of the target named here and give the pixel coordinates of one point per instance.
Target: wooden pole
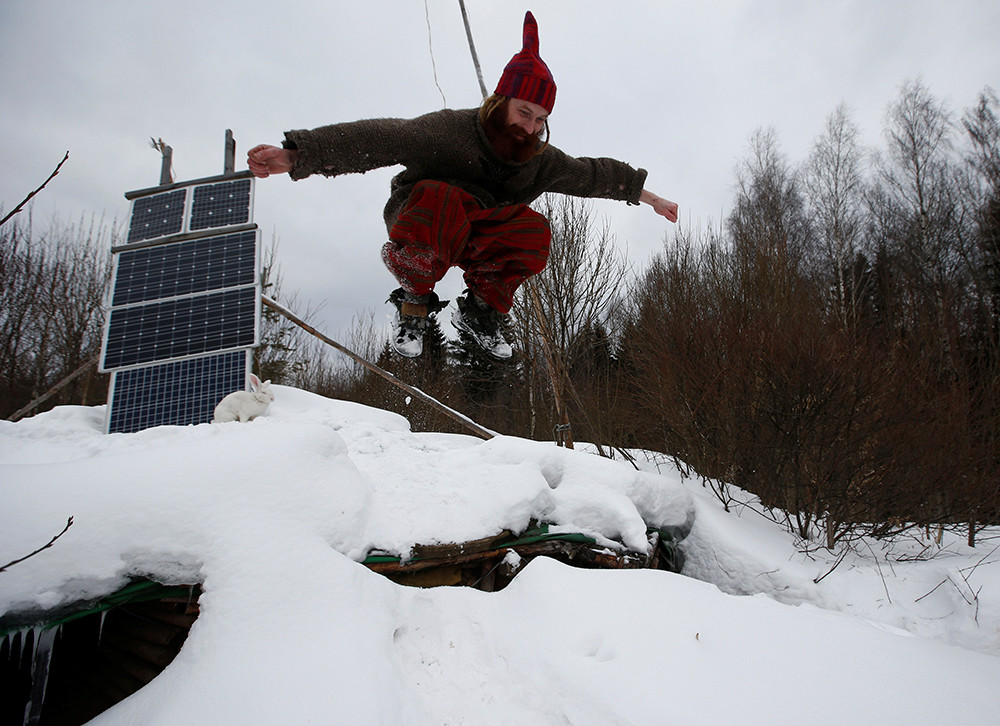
(413, 391)
(16, 416)
(472, 48)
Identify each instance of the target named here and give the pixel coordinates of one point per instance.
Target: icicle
(12, 641)
(28, 637)
(41, 658)
(18, 647)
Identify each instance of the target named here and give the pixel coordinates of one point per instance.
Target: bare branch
(24, 201)
(836, 564)
(69, 523)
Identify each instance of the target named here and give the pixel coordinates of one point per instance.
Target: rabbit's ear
(254, 382)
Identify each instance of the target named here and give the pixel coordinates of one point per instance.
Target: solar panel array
(185, 305)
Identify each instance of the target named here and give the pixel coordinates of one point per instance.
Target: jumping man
(462, 198)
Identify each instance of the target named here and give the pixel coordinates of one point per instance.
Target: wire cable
(430, 46)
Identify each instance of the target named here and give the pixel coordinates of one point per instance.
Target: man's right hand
(265, 160)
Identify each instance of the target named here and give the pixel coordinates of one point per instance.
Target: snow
(274, 516)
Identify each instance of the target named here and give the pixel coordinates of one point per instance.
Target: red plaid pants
(443, 226)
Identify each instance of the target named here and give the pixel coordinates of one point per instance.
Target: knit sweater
(452, 147)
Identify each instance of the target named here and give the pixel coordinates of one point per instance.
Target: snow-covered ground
(273, 517)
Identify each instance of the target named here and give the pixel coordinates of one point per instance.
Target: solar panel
(184, 268)
(185, 304)
(220, 205)
(157, 215)
(181, 327)
(208, 206)
(180, 393)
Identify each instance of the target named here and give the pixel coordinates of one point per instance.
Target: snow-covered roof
(295, 500)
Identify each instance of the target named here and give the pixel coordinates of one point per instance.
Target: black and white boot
(483, 325)
(413, 315)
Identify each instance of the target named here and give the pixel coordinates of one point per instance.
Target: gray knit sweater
(452, 147)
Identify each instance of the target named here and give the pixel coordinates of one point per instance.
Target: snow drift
(273, 517)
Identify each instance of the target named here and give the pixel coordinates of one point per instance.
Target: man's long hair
(497, 104)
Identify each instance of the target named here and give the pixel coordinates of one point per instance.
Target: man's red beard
(511, 142)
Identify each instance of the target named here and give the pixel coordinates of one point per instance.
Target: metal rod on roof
(449, 412)
(230, 164)
(168, 154)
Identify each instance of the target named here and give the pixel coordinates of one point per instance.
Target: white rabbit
(245, 405)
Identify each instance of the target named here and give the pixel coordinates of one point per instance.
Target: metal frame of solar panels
(185, 303)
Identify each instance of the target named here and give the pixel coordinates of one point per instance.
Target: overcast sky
(674, 87)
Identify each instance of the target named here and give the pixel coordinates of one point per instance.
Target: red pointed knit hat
(526, 76)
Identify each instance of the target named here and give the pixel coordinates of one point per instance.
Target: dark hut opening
(66, 672)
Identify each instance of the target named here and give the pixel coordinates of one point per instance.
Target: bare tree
(22, 268)
(285, 349)
(769, 210)
(982, 123)
(918, 176)
(558, 311)
(834, 183)
(51, 309)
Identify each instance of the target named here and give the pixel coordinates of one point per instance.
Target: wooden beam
(413, 391)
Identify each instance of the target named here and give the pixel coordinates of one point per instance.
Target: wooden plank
(473, 553)
(412, 390)
(462, 549)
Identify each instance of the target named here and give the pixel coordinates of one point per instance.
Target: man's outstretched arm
(663, 207)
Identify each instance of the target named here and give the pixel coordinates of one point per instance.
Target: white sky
(674, 87)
